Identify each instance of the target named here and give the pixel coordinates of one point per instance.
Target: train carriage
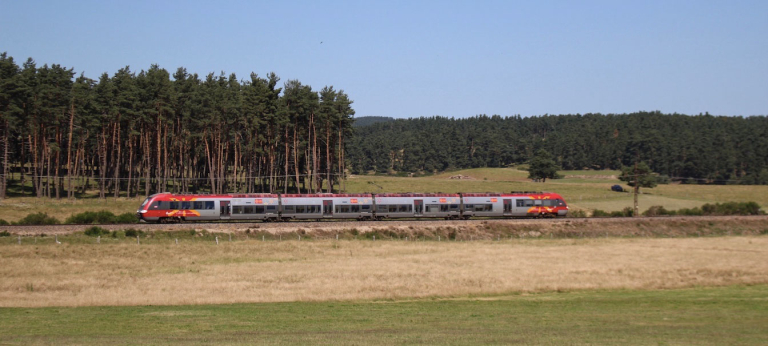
(404, 205)
(167, 207)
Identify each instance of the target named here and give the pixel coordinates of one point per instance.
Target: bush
(577, 213)
(133, 233)
(600, 213)
(3, 223)
(38, 219)
(656, 210)
(95, 231)
(98, 217)
(690, 212)
(5, 234)
(731, 208)
(126, 218)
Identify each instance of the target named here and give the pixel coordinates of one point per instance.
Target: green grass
(706, 316)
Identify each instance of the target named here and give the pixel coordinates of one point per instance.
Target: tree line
(696, 149)
(132, 134)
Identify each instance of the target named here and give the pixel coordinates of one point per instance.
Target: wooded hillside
(701, 149)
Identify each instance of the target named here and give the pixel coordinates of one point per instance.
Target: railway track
(328, 225)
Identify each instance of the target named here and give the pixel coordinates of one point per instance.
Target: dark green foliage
(5, 234)
(577, 213)
(38, 219)
(126, 218)
(96, 217)
(600, 213)
(696, 149)
(542, 166)
(95, 231)
(731, 208)
(656, 210)
(370, 120)
(4, 223)
(133, 233)
(626, 212)
(642, 175)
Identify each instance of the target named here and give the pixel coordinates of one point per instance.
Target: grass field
(197, 271)
(583, 190)
(734, 315)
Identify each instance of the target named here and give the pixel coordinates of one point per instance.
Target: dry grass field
(193, 272)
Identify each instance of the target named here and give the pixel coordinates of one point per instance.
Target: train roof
(410, 194)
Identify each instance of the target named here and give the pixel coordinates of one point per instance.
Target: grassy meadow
(583, 190)
(734, 315)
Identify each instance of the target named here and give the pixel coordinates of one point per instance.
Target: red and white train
(168, 207)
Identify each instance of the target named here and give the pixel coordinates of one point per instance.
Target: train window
(249, 209)
(258, 209)
(528, 202)
(197, 205)
(236, 209)
(488, 207)
(469, 206)
(355, 208)
(271, 208)
(209, 205)
(454, 207)
(444, 208)
(345, 209)
(403, 208)
(337, 209)
(300, 209)
(537, 202)
(288, 208)
(393, 208)
(173, 205)
(560, 203)
(366, 206)
(433, 208)
(155, 205)
(520, 203)
(145, 202)
(186, 205)
(382, 208)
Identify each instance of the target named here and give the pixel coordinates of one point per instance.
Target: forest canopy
(137, 133)
(695, 149)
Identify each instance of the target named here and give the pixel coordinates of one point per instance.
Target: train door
(224, 212)
(327, 208)
(507, 207)
(418, 207)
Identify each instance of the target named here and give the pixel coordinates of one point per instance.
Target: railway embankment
(481, 229)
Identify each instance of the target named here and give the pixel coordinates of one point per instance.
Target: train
(267, 207)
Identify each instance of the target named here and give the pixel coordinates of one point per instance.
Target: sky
(424, 58)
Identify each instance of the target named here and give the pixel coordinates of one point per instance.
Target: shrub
(731, 208)
(133, 233)
(600, 213)
(690, 212)
(3, 222)
(577, 213)
(656, 210)
(99, 217)
(5, 234)
(95, 231)
(126, 218)
(38, 219)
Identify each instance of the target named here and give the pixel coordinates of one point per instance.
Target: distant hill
(370, 120)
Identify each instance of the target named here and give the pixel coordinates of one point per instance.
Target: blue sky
(422, 58)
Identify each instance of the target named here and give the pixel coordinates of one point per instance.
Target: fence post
(230, 237)
(217, 240)
(374, 238)
(177, 241)
(98, 240)
(137, 240)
